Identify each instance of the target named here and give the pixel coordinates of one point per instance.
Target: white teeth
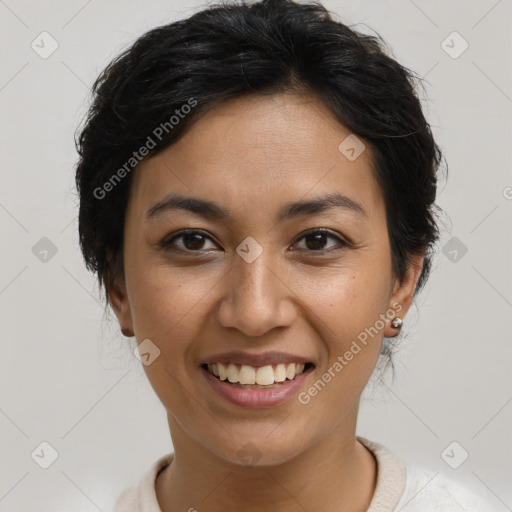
(290, 371)
(280, 373)
(232, 373)
(263, 376)
(247, 375)
(222, 371)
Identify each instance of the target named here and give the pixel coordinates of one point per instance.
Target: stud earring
(397, 322)
(126, 332)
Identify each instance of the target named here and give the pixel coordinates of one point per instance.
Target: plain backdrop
(68, 376)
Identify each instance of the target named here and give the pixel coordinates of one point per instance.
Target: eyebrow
(212, 210)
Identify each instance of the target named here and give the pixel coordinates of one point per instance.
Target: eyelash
(167, 243)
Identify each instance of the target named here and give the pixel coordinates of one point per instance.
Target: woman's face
(256, 280)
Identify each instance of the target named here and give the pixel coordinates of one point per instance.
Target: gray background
(69, 378)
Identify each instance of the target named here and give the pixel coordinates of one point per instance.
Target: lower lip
(256, 398)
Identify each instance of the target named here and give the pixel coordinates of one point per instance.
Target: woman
(257, 187)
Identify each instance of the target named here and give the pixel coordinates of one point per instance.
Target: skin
(252, 155)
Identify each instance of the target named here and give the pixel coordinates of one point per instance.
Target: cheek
(165, 301)
(350, 311)
(351, 331)
(166, 309)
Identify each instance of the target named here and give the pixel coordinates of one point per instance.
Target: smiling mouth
(263, 377)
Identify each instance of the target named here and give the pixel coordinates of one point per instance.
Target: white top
(399, 487)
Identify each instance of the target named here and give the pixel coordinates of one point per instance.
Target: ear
(403, 292)
(116, 290)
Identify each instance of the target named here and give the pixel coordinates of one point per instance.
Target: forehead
(260, 151)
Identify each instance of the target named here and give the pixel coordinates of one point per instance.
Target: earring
(126, 332)
(397, 322)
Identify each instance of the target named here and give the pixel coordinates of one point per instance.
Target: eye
(316, 239)
(194, 240)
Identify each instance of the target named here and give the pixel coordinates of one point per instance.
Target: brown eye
(191, 240)
(316, 240)
(194, 240)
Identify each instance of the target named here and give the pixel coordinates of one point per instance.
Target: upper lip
(256, 360)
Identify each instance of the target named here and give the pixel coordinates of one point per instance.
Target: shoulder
(404, 487)
(128, 500)
(429, 490)
(141, 497)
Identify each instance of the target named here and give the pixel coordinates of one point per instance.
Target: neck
(336, 474)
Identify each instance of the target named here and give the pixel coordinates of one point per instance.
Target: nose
(256, 297)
